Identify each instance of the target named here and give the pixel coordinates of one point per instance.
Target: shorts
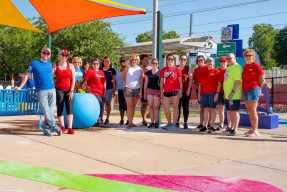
(252, 95)
(122, 101)
(234, 107)
(153, 92)
(133, 93)
(207, 100)
(171, 94)
(62, 98)
(108, 95)
(220, 100)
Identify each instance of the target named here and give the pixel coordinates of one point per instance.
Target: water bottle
(230, 102)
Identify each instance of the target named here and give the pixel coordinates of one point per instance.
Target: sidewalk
(140, 150)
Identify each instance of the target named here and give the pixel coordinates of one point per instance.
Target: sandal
(129, 126)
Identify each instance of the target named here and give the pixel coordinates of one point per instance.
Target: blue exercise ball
(86, 110)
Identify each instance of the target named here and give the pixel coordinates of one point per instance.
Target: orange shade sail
(59, 14)
(11, 16)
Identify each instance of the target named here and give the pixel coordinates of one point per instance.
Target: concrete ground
(117, 150)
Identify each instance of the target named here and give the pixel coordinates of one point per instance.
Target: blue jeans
(47, 102)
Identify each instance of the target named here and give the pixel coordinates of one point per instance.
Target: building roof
(172, 45)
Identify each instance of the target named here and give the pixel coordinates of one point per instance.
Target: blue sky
(208, 16)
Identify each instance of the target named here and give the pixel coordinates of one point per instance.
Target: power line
(194, 11)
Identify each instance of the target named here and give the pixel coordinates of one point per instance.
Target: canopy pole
(154, 37)
(50, 43)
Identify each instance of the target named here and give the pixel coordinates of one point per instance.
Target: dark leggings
(100, 99)
(62, 98)
(184, 101)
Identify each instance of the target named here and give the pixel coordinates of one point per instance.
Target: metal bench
(22, 102)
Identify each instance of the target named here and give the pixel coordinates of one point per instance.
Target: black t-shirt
(153, 80)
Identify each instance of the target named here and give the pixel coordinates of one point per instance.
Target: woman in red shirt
(252, 82)
(65, 84)
(208, 91)
(96, 80)
(170, 90)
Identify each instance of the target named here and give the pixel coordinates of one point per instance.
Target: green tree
(147, 36)
(263, 40)
(19, 47)
(280, 46)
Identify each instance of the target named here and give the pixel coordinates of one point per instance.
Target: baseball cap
(46, 49)
(223, 59)
(210, 59)
(64, 52)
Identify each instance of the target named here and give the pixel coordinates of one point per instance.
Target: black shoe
(144, 123)
(185, 126)
(227, 130)
(208, 126)
(177, 124)
(232, 132)
(121, 122)
(151, 125)
(156, 125)
(127, 122)
(210, 129)
(202, 129)
(199, 126)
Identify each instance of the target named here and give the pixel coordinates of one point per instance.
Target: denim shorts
(220, 100)
(252, 95)
(108, 95)
(207, 100)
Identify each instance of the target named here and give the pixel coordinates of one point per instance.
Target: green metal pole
(50, 42)
(159, 49)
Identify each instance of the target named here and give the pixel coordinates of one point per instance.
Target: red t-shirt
(209, 81)
(250, 76)
(63, 78)
(96, 80)
(197, 73)
(221, 79)
(170, 84)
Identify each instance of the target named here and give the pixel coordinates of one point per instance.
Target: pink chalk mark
(193, 183)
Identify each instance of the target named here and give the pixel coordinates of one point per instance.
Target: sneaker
(211, 129)
(58, 131)
(63, 129)
(227, 130)
(144, 123)
(199, 126)
(252, 134)
(171, 127)
(106, 122)
(167, 125)
(151, 125)
(202, 129)
(219, 128)
(47, 132)
(156, 125)
(121, 122)
(208, 126)
(248, 132)
(177, 124)
(71, 131)
(232, 132)
(185, 126)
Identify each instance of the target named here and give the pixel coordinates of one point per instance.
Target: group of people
(170, 85)
(223, 88)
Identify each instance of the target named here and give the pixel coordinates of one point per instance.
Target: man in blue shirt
(43, 76)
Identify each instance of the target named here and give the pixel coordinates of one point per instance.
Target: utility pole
(154, 37)
(190, 25)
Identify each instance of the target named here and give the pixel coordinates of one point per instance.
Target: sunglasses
(96, 63)
(122, 60)
(65, 55)
(200, 60)
(248, 55)
(77, 62)
(170, 59)
(154, 63)
(183, 59)
(45, 53)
